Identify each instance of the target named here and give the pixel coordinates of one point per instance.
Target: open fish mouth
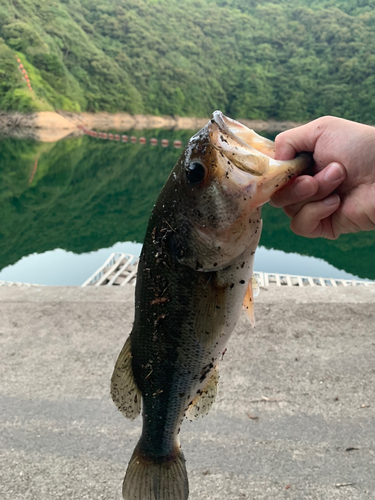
(254, 155)
(241, 136)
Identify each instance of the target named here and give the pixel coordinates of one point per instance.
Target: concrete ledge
(325, 295)
(294, 419)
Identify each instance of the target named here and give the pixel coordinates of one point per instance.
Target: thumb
(303, 138)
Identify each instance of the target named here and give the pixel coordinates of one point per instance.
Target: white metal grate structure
(121, 269)
(266, 279)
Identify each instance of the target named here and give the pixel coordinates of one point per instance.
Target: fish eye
(196, 172)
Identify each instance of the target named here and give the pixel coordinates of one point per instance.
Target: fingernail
(334, 173)
(332, 200)
(303, 187)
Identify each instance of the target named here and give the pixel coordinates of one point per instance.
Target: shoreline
(49, 126)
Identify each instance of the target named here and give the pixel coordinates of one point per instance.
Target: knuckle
(297, 228)
(290, 210)
(324, 120)
(275, 201)
(332, 236)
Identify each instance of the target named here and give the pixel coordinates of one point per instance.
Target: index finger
(305, 188)
(299, 189)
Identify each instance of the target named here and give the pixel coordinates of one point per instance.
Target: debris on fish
(194, 274)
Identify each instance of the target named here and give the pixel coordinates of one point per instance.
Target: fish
(195, 274)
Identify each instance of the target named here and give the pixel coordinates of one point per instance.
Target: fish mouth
(254, 155)
(244, 136)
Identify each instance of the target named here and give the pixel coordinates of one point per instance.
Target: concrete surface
(312, 355)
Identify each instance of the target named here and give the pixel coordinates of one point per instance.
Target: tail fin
(162, 479)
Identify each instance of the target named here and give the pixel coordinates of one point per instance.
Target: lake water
(66, 206)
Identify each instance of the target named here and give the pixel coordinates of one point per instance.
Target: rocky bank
(47, 126)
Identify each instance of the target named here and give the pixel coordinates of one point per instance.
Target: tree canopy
(279, 59)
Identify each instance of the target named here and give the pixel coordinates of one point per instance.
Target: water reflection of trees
(88, 194)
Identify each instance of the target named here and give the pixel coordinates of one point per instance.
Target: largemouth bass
(194, 275)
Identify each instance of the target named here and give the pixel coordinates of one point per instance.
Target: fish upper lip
(219, 118)
(221, 121)
(225, 134)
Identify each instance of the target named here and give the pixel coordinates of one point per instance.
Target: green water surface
(84, 194)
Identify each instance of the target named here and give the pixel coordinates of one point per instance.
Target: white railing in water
(266, 279)
(121, 269)
(118, 270)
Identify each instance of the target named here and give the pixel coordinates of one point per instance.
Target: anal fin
(124, 391)
(201, 405)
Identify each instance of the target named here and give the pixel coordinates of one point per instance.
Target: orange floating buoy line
(24, 73)
(124, 138)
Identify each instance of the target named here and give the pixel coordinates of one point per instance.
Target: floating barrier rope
(104, 135)
(132, 139)
(24, 73)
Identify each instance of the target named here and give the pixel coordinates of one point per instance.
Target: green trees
(280, 59)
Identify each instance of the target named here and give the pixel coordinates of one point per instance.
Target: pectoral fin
(248, 303)
(124, 391)
(201, 405)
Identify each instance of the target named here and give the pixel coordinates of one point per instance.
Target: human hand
(340, 197)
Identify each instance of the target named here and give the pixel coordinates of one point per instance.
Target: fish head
(247, 161)
(226, 173)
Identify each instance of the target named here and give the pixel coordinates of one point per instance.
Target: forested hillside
(281, 59)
